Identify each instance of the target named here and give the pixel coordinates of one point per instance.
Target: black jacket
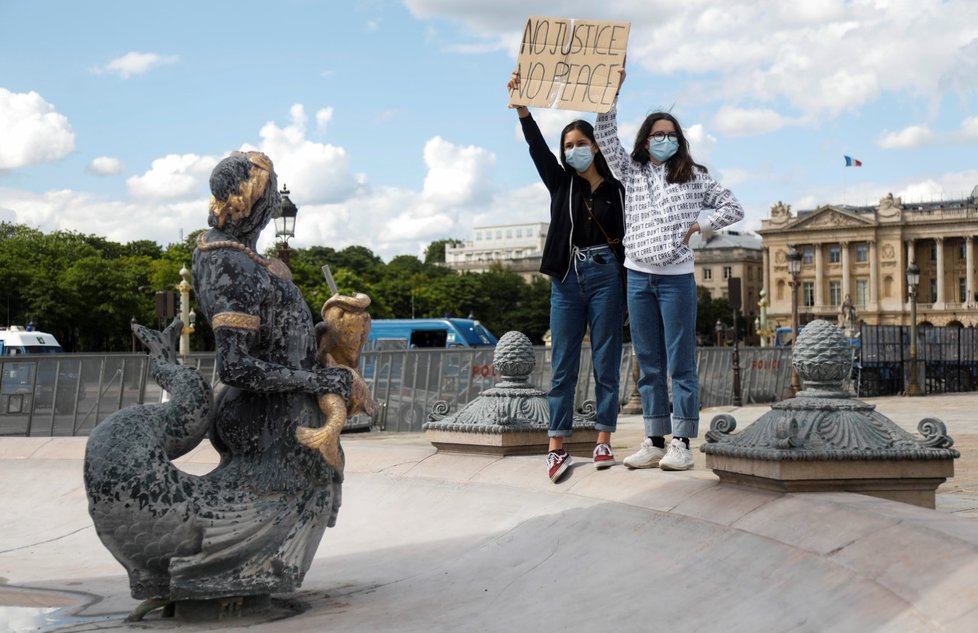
(567, 203)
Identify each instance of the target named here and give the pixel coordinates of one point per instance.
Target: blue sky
(388, 120)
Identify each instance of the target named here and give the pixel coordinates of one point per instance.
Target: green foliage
(84, 289)
(435, 252)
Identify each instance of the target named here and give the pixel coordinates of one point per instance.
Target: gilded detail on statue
(238, 320)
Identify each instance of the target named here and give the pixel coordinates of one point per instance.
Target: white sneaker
(647, 456)
(678, 457)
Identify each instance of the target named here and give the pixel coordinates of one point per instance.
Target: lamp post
(913, 280)
(285, 225)
(794, 267)
(186, 314)
(719, 328)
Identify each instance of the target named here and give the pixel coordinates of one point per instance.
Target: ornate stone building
(721, 255)
(864, 252)
(518, 247)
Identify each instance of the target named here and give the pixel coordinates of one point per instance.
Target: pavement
(430, 541)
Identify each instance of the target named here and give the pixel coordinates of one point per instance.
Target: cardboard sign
(570, 64)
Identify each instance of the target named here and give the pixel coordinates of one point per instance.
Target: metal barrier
(68, 394)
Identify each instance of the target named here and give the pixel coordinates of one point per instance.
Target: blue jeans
(591, 295)
(662, 309)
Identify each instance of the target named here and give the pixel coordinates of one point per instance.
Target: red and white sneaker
(603, 457)
(557, 463)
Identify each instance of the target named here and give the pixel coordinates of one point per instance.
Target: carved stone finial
(824, 439)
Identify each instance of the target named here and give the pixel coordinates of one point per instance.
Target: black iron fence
(947, 359)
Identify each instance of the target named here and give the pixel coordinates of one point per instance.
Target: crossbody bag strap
(610, 241)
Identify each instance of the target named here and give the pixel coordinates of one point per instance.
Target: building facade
(722, 255)
(518, 247)
(864, 253)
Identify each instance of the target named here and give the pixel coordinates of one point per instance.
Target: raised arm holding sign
(570, 64)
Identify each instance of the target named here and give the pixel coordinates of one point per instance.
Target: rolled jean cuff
(560, 432)
(658, 426)
(605, 428)
(685, 427)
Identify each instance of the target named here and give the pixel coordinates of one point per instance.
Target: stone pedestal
(825, 440)
(512, 418)
(897, 480)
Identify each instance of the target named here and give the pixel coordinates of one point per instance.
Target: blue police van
(390, 334)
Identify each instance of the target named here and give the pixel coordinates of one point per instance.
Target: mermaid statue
(251, 527)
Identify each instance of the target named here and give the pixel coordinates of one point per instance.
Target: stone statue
(252, 526)
(890, 204)
(848, 319)
(781, 210)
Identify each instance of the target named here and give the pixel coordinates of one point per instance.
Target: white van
(20, 340)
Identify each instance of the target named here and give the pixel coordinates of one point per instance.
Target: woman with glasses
(665, 193)
(582, 256)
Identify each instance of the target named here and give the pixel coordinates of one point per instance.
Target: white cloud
(323, 117)
(119, 221)
(701, 143)
(969, 129)
(457, 176)
(747, 121)
(134, 63)
(174, 177)
(31, 131)
(820, 57)
(908, 138)
(105, 166)
(320, 171)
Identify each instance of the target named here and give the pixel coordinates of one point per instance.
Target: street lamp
(719, 329)
(794, 267)
(285, 225)
(913, 280)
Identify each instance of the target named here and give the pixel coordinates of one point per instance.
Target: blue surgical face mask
(580, 158)
(663, 150)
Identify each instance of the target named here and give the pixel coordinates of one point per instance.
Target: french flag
(852, 162)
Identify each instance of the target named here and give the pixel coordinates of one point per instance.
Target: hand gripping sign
(570, 64)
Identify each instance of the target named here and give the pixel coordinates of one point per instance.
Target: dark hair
(680, 166)
(587, 130)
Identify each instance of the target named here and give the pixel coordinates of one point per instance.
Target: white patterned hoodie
(657, 213)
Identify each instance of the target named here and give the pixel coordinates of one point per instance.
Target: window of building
(807, 255)
(779, 290)
(862, 252)
(933, 250)
(888, 286)
(727, 272)
(750, 273)
(488, 235)
(963, 289)
(808, 293)
(835, 293)
(862, 292)
(499, 234)
(707, 274)
(933, 291)
(509, 234)
(962, 251)
(519, 232)
(835, 254)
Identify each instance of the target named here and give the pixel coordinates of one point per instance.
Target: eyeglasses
(661, 136)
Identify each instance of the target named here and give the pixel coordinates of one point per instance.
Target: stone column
(904, 288)
(969, 285)
(766, 281)
(819, 275)
(844, 247)
(873, 297)
(939, 244)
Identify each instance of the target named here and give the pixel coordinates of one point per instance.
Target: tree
(435, 252)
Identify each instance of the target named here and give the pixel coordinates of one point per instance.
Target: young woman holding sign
(581, 255)
(666, 191)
